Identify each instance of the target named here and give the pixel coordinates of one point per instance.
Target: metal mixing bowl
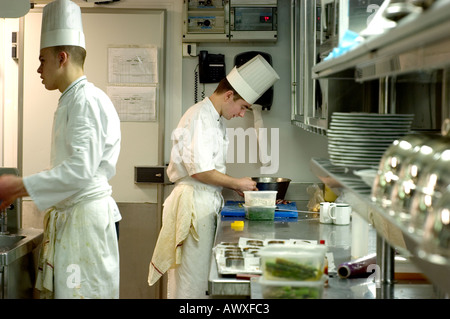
(279, 184)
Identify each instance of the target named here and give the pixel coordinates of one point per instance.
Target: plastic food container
(299, 262)
(259, 212)
(292, 289)
(260, 198)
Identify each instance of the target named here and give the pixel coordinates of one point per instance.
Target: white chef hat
(253, 78)
(62, 25)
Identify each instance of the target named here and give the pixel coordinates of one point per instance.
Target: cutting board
(236, 209)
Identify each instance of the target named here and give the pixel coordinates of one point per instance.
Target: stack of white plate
(360, 139)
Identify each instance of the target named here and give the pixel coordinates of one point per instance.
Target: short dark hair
(224, 85)
(77, 54)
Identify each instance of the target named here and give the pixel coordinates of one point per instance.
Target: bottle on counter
(325, 264)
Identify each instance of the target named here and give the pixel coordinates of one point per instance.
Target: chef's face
(235, 108)
(49, 68)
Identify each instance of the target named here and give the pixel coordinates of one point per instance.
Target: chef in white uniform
(198, 169)
(80, 256)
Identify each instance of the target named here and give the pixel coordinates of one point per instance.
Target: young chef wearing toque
(197, 167)
(79, 257)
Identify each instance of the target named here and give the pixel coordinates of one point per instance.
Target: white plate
(340, 154)
(355, 158)
(365, 128)
(371, 121)
(371, 115)
(354, 154)
(368, 139)
(356, 129)
(356, 149)
(357, 164)
(387, 133)
(359, 144)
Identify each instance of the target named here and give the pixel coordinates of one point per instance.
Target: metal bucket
(279, 184)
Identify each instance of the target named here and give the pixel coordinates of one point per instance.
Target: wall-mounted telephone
(211, 67)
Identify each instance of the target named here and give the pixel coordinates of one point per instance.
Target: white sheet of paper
(134, 104)
(132, 65)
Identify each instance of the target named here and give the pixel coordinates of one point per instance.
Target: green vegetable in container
(291, 270)
(288, 292)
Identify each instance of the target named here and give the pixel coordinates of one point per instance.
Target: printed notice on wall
(134, 104)
(133, 65)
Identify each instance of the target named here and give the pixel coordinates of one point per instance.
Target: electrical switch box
(151, 174)
(230, 20)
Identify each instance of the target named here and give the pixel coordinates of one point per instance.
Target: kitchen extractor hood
(14, 8)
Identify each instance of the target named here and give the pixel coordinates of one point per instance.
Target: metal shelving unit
(416, 44)
(392, 235)
(419, 43)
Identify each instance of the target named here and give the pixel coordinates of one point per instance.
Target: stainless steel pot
(279, 184)
(411, 170)
(390, 165)
(431, 186)
(436, 238)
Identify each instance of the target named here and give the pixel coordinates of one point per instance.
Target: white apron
(80, 255)
(186, 239)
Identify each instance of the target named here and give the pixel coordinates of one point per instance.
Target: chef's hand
(11, 188)
(245, 184)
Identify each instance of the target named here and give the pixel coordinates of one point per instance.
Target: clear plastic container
(292, 289)
(259, 212)
(260, 198)
(300, 262)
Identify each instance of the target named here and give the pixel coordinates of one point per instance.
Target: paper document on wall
(134, 104)
(132, 65)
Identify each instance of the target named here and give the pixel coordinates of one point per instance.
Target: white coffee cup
(325, 217)
(340, 213)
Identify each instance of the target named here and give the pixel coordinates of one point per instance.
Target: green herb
(291, 270)
(288, 292)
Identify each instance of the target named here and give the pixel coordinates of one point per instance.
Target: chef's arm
(11, 188)
(217, 178)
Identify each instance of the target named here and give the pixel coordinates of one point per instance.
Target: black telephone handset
(211, 67)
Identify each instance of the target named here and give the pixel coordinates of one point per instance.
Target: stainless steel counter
(338, 240)
(19, 254)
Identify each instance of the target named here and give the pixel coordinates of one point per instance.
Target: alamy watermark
(74, 278)
(189, 147)
(372, 8)
(375, 276)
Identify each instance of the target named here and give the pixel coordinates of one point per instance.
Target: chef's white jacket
(200, 142)
(85, 148)
(80, 258)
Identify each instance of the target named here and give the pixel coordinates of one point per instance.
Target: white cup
(340, 213)
(325, 217)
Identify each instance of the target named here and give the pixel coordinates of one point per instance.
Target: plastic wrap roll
(357, 267)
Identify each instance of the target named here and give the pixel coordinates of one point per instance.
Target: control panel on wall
(205, 20)
(253, 20)
(229, 20)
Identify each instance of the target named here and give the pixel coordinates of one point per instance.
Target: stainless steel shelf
(310, 128)
(414, 45)
(342, 179)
